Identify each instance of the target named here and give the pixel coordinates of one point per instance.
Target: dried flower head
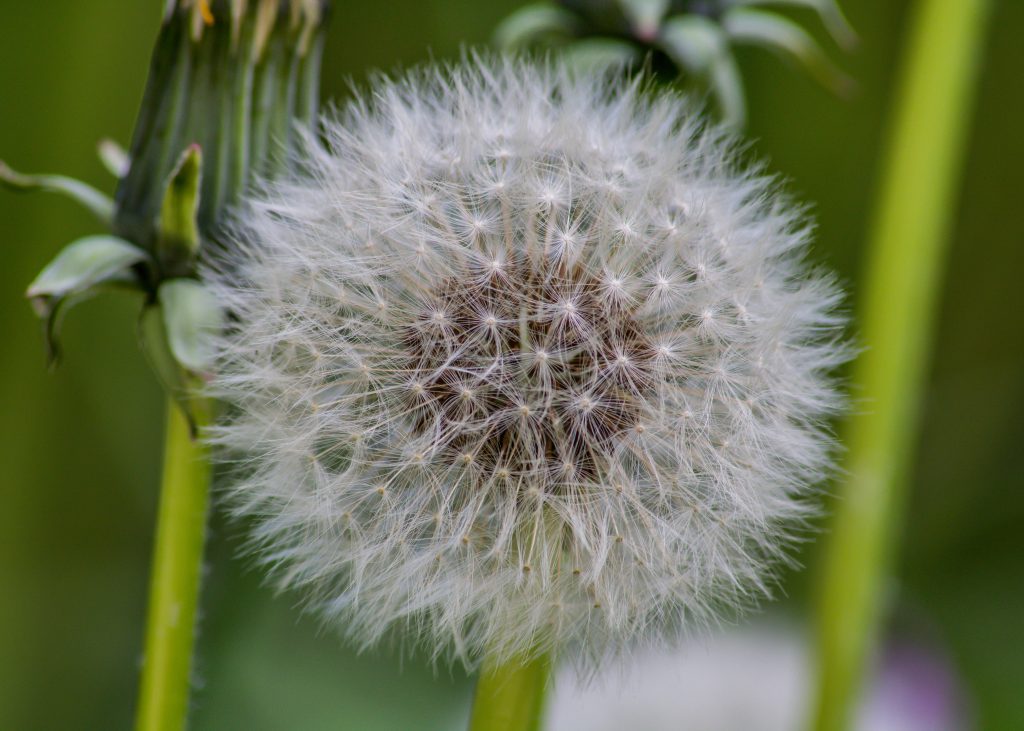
(522, 360)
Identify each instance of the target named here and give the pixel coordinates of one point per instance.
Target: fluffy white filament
(524, 361)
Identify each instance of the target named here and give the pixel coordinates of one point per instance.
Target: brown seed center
(521, 372)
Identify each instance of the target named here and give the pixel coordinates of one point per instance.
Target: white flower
(523, 360)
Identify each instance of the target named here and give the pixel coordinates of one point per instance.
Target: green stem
(510, 696)
(913, 218)
(174, 585)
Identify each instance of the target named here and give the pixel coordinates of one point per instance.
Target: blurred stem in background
(510, 696)
(906, 254)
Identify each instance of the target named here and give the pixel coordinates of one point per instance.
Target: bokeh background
(80, 448)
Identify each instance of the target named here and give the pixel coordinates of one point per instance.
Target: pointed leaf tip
(178, 236)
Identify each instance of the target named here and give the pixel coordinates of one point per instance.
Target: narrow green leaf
(178, 237)
(531, 23)
(100, 205)
(828, 10)
(781, 34)
(192, 317)
(78, 271)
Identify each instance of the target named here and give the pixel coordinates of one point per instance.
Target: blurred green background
(80, 448)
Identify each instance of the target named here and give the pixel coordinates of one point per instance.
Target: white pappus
(524, 360)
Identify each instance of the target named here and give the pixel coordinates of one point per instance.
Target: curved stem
(913, 217)
(510, 696)
(177, 569)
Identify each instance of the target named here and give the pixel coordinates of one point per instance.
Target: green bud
(234, 77)
(229, 81)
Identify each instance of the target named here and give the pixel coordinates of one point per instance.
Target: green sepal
(192, 318)
(100, 205)
(81, 269)
(532, 23)
(178, 233)
(176, 334)
(700, 46)
(179, 384)
(781, 34)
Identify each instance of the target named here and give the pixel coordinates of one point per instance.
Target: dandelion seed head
(532, 416)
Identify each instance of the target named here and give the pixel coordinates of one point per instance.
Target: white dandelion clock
(523, 361)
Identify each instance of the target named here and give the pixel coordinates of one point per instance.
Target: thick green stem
(174, 584)
(510, 696)
(904, 275)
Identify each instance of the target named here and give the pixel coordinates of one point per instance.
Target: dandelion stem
(174, 585)
(510, 695)
(904, 274)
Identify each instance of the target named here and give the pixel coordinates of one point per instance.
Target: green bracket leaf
(178, 236)
(192, 317)
(781, 34)
(78, 271)
(177, 333)
(531, 23)
(700, 45)
(100, 205)
(177, 381)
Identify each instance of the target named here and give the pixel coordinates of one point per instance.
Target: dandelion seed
(553, 380)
